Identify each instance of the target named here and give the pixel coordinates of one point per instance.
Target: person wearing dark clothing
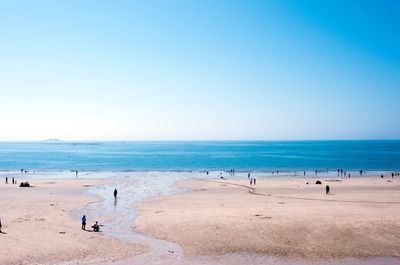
(327, 190)
(6, 180)
(13, 180)
(83, 222)
(254, 181)
(251, 182)
(115, 193)
(96, 227)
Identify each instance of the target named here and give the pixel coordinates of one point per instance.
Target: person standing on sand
(251, 182)
(84, 222)
(6, 180)
(327, 190)
(13, 180)
(115, 194)
(254, 181)
(248, 175)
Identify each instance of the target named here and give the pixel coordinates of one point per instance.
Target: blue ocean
(263, 156)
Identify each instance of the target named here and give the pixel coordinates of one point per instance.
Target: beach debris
(62, 232)
(318, 182)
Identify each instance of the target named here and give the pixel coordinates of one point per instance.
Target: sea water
(262, 156)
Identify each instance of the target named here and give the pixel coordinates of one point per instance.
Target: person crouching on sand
(96, 227)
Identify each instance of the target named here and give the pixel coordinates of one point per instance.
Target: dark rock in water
(318, 182)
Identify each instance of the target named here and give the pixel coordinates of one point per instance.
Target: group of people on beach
(95, 226)
(252, 180)
(13, 180)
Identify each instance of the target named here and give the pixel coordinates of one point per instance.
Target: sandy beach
(39, 227)
(278, 221)
(280, 218)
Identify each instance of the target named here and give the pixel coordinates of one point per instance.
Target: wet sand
(286, 219)
(39, 227)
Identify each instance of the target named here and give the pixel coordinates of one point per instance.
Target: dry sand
(33, 218)
(281, 218)
(220, 222)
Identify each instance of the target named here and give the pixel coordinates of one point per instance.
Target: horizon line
(202, 140)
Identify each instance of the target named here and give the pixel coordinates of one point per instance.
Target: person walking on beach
(327, 190)
(6, 180)
(76, 173)
(254, 181)
(248, 175)
(115, 194)
(84, 222)
(13, 180)
(251, 181)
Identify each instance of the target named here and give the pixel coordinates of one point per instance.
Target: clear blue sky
(185, 70)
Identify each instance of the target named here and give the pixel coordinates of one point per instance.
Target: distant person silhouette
(251, 182)
(327, 190)
(83, 222)
(115, 194)
(254, 181)
(248, 175)
(6, 180)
